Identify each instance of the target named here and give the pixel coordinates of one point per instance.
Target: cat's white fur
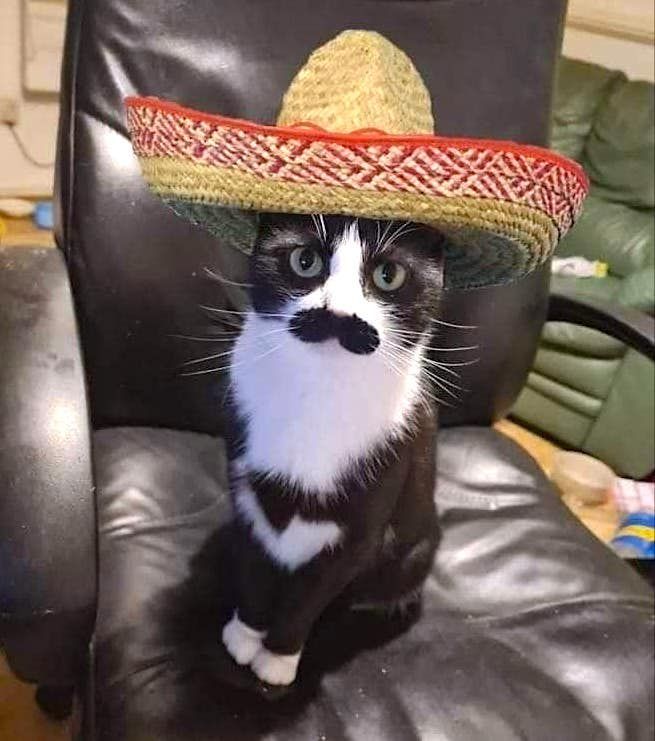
(242, 641)
(298, 543)
(244, 645)
(275, 668)
(314, 409)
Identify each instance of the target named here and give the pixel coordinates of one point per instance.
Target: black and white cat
(333, 450)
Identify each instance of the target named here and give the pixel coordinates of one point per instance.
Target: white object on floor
(579, 267)
(17, 208)
(634, 496)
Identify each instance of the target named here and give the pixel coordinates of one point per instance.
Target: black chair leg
(55, 702)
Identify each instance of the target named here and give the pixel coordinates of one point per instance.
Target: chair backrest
(137, 270)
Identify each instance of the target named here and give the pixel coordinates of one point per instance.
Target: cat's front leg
(257, 582)
(306, 594)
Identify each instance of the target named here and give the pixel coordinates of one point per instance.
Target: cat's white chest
(312, 410)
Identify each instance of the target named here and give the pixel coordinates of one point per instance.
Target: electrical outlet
(8, 110)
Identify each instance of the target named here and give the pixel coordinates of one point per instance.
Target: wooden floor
(20, 719)
(22, 232)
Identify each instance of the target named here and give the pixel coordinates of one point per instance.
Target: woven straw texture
(506, 205)
(359, 80)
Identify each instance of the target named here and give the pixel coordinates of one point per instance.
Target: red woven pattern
(437, 167)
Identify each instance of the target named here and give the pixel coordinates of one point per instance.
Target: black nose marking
(318, 325)
(357, 335)
(313, 325)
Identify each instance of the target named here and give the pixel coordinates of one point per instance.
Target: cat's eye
(389, 276)
(306, 262)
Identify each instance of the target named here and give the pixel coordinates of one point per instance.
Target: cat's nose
(357, 336)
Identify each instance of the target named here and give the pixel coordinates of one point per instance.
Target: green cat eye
(306, 262)
(389, 276)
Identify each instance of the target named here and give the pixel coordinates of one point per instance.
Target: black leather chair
(115, 573)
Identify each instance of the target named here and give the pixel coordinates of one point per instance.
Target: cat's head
(366, 284)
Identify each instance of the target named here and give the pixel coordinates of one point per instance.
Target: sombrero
(355, 136)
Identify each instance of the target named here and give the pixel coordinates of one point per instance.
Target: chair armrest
(634, 328)
(47, 509)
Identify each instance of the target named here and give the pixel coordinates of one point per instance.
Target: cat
(333, 427)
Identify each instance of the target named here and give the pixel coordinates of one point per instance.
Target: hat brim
(506, 205)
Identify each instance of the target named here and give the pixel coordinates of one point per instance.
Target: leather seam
(155, 525)
(631, 605)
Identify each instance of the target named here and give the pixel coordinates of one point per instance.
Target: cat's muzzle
(319, 325)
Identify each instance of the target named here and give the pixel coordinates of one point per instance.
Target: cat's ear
(277, 219)
(267, 220)
(437, 242)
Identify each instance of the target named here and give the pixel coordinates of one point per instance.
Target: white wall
(614, 33)
(37, 115)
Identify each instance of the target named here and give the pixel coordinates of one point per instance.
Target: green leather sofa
(587, 390)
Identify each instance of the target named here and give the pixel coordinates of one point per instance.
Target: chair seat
(530, 628)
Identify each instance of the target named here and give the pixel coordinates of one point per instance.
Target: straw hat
(355, 136)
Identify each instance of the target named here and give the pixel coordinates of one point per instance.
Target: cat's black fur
(383, 501)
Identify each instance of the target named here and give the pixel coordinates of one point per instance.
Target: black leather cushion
(531, 629)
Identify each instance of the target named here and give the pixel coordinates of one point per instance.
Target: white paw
(242, 641)
(275, 668)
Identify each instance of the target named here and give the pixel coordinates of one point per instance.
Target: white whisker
(392, 358)
(203, 372)
(230, 366)
(443, 384)
(319, 225)
(233, 312)
(226, 281)
(434, 348)
(452, 324)
(454, 365)
(403, 230)
(229, 338)
(208, 357)
(381, 241)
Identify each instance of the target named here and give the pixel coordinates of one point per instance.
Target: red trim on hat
(312, 132)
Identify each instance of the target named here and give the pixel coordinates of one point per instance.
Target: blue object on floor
(43, 215)
(636, 536)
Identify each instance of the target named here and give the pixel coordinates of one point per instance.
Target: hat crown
(359, 80)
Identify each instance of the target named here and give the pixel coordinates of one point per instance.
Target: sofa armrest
(47, 509)
(634, 328)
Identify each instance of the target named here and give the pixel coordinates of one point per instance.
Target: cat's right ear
(266, 220)
(269, 222)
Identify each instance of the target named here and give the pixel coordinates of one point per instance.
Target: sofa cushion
(581, 88)
(547, 413)
(619, 154)
(581, 340)
(591, 376)
(615, 233)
